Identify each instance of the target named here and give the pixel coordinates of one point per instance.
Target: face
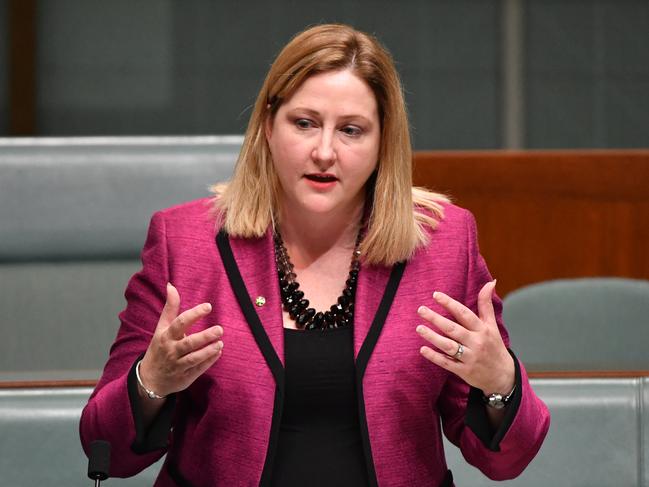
(324, 141)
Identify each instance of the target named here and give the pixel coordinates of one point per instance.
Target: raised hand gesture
(174, 360)
(471, 347)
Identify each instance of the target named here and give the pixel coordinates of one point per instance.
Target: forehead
(342, 90)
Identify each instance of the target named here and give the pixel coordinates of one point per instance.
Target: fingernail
(219, 345)
(420, 329)
(207, 307)
(437, 295)
(422, 309)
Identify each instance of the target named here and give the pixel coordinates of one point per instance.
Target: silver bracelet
(497, 400)
(151, 394)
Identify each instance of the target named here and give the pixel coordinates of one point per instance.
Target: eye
(352, 130)
(303, 123)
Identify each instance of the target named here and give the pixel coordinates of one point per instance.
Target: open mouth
(321, 178)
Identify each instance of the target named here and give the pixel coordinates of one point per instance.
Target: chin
(317, 203)
(323, 204)
(320, 209)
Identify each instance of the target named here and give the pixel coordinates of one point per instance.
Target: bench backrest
(73, 219)
(580, 324)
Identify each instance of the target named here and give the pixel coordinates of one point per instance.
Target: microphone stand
(99, 461)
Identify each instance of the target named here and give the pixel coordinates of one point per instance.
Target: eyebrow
(312, 112)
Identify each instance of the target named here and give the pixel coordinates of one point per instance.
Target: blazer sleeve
(112, 413)
(501, 454)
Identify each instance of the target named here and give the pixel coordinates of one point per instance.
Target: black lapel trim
(448, 480)
(363, 358)
(275, 425)
(264, 344)
(241, 293)
(176, 476)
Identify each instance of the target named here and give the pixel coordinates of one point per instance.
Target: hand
(174, 360)
(485, 362)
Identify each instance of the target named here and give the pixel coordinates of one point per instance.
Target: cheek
(277, 153)
(285, 161)
(284, 147)
(365, 160)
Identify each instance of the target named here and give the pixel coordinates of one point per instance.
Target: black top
(319, 440)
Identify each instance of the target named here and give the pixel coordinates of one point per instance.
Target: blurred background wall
(478, 74)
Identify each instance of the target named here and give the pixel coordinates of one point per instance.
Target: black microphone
(99, 461)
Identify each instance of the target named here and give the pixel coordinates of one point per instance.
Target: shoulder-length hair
(397, 212)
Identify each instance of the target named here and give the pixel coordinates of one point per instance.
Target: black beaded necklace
(339, 315)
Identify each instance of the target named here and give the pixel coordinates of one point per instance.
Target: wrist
(150, 393)
(506, 380)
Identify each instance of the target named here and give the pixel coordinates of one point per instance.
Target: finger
(444, 344)
(171, 307)
(206, 364)
(446, 326)
(198, 340)
(461, 313)
(485, 302)
(442, 360)
(197, 357)
(184, 320)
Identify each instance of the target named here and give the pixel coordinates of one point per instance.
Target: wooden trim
(22, 67)
(46, 384)
(589, 374)
(555, 374)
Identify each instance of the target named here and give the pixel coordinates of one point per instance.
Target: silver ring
(460, 351)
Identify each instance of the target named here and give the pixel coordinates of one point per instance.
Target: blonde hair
(398, 213)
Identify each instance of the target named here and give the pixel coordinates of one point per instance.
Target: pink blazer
(222, 430)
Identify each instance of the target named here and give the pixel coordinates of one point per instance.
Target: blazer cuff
(156, 436)
(476, 414)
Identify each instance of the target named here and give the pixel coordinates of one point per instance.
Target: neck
(308, 236)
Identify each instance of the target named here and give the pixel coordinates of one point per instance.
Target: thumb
(485, 303)
(171, 307)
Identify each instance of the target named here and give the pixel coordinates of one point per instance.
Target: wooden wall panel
(550, 214)
(22, 67)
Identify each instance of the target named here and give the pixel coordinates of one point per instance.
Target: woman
(357, 311)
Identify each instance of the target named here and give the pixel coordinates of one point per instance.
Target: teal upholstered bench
(597, 323)
(73, 219)
(40, 439)
(598, 438)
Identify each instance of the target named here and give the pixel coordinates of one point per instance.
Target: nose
(324, 153)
